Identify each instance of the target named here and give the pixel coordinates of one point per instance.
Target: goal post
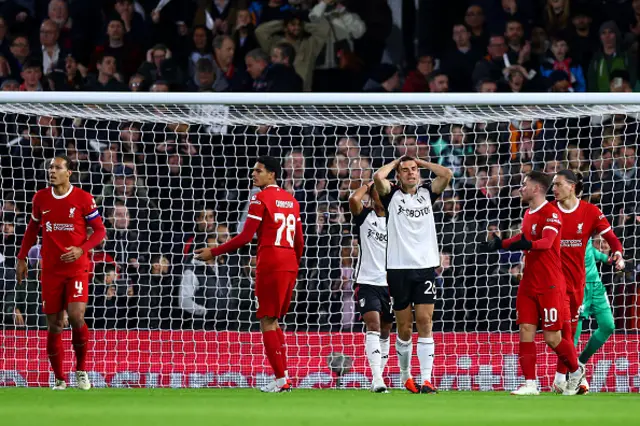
(170, 173)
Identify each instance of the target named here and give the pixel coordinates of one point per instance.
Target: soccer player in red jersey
(63, 212)
(580, 220)
(541, 291)
(275, 215)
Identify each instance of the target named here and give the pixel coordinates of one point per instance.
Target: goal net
(171, 173)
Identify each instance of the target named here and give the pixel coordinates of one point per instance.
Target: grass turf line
(245, 407)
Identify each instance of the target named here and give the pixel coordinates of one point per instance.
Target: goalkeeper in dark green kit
(595, 304)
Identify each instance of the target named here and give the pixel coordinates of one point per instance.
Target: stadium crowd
(167, 189)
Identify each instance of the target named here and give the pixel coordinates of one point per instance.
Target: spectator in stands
(620, 81)
(105, 298)
(559, 82)
(611, 57)
(338, 57)
(486, 86)
(244, 37)
(558, 59)
(201, 48)
(75, 72)
(32, 76)
(206, 78)
(154, 294)
(137, 83)
(106, 80)
(583, 41)
(159, 65)
(383, 78)
(50, 52)
(273, 10)
(459, 61)
(127, 53)
(294, 176)
(514, 36)
(10, 85)
(438, 82)
(349, 147)
(218, 12)
(133, 21)
(284, 54)
(307, 40)
(20, 51)
(70, 36)
(159, 86)
(271, 77)
(490, 68)
(556, 16)
(125, 242)
(474, 19)
(416, 80)
(224, 50)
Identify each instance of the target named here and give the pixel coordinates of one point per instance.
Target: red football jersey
(63, 220)
(279, 214)
(578, 225)
(542, 269)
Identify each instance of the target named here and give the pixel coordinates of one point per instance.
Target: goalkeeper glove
(493, 245)
(522, 244)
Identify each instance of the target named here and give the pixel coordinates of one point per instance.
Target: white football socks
(426, 351)
(384, 350)
(404, 351)
(374, 354)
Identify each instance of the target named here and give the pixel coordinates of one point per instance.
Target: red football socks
(567, 334)
(567, 354)
(55, 350)
(283, 348)
(273, 349)
(80, 340)
(527, 357)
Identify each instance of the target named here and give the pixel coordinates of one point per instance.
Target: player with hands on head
(541, 292)
(411, 259)
(580, 221)
(63, 212)
(275, 215)
(371, 290)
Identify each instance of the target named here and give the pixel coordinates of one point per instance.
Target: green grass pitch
(247, 407)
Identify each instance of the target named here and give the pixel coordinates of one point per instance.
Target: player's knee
(552, 338)
(373, 325)
(607, 328)
(76, 320)
(424, 322)
(55, 326)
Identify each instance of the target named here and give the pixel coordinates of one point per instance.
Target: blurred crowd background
(167, 189)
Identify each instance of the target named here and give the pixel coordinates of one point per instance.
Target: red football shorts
(273, 293)
(546, 309)
(60, 290)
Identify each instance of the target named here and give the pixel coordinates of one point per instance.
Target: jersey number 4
(287, 226)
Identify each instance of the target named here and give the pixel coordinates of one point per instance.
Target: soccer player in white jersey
(412, 256)
(372, 292)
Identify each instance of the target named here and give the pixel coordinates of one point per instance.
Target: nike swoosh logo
(46, 211)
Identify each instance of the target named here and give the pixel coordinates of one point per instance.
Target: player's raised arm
(355, 200)
(443, 175)
(383, 186)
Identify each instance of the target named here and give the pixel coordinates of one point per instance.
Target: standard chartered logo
(59, 227)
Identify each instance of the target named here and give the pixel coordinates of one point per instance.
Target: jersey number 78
(288, 223)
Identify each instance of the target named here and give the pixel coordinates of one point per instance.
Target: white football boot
(573, 384)
(60, 385)
(529, 388)
(82, 380)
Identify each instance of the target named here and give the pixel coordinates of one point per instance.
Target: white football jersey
(371, 231)
(411, 229)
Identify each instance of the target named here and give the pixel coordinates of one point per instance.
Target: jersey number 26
(288, 223)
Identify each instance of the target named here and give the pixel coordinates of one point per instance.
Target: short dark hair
(573, 177)
(32, 63)
(403, 159)
(219, 40)
(287, 51)
(435, 74)
(67, 160)
(540, 178)
(204, 65)
(272, 164)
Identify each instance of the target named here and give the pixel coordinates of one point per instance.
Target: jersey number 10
(288, 223)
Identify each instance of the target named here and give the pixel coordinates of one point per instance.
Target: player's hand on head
(72, 254)
(203, 254)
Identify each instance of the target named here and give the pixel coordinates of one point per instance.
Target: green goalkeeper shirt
(591, 257)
